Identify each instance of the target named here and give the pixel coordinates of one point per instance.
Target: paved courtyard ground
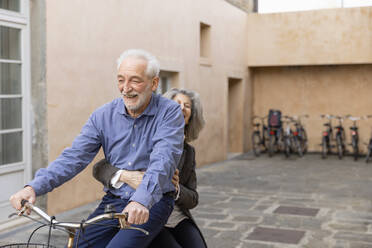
(272, 203)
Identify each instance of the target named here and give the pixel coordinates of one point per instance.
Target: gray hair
(153, 66)
(196, 121)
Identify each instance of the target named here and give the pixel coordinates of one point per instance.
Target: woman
(181, 229)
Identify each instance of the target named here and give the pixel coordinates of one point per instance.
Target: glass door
(15, 162)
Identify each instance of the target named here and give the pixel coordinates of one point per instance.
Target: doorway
(235, 117)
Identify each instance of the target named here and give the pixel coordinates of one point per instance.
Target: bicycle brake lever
(138, 229)
(123, 221)
(13, 214)
(22, 211)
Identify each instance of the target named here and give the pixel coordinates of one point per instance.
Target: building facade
(58, 64)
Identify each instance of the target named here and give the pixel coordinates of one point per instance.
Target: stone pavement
(271, 203)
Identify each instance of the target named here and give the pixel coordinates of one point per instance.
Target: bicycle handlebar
(122, 217)
(329, 117)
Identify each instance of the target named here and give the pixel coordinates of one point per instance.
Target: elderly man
(140, 131)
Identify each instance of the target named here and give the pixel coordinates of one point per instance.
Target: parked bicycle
(369, 145)
(288, 140)
(340, 137)
(259, 135)
(275, 131)
(327, 135)
(69, 227)
(300, 135)
(354, 134)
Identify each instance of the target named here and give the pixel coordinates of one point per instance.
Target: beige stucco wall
(332, 36)
(315, 90)
(312, 62)
(85, 37)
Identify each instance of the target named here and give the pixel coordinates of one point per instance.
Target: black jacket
(189, 197)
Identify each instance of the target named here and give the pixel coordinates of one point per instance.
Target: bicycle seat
(354, 118)
(326, 124)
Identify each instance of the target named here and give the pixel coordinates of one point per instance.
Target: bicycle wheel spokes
(340, 148)
(324, 147)
(271, 145)
(354, 144)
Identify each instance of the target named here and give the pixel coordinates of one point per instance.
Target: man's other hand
(27, 193)
(132, 178)
(137, 213)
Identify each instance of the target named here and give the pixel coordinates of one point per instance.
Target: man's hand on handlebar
(137, 213)
(27, 193)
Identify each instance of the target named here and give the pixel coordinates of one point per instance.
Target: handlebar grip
(126, 216)
(23, 202)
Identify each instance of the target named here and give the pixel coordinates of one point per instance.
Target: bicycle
(340, 137)
(369, 145)
(300, 135)
(287, 136)
(259, 137)
(275, 131)
(69, 227)
(327, 136)
(354, 133)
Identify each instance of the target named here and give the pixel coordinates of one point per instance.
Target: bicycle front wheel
(303, 141)
(354, 144)
(256, 144)
(340, 146)
(298, 146)
(287, 146)
(324, 147)
(25, 245)
(271, 145)
(369, 151)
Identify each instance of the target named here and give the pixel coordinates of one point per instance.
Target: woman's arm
(132, 178)
(104, 172)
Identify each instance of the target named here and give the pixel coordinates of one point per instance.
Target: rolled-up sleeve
(166, 153)
(72, 160)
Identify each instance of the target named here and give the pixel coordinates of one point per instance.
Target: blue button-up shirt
(153, 142)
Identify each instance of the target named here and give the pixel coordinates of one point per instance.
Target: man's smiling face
(134, 85)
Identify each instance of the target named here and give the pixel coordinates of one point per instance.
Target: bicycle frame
(71, 227)
(354, 134)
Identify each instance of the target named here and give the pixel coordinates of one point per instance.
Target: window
(10, 96)
(14, 84)
(12, 5)
(168, 80)
(205, 40)
(15, 145)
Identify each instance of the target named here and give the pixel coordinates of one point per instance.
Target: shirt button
(126, 193)
(135, 125)
(134, 145)
(129, 163)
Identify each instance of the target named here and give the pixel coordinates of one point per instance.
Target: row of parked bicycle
(287, 134)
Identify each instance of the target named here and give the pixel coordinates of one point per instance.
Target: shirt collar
(149, 111)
